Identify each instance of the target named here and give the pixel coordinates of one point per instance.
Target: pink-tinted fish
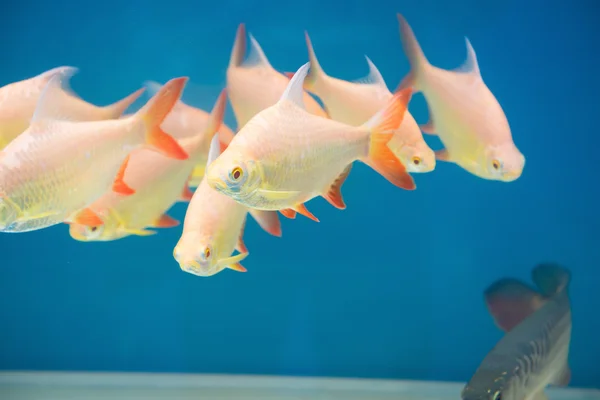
(56, 168)
(463, 113)
(254, 84)
(158, 182)
(18, 102)
(285, 156)
(213, 228)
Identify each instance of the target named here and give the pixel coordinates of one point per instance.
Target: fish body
(285, 156)
(18, 102)
(535, 349)
(58, 167)
(253, 84)
(158, 181)
(354, 103)
(212, 230)
(464, 114)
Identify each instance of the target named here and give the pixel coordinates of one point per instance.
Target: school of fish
(109, 175)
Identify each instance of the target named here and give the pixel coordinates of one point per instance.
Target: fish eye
(497, 395)
(94, 228)
(416, 160)
(496, 164)
(207, 253)
(237, 173)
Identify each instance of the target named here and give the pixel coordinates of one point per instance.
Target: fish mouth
(193, 267)
(512, 175)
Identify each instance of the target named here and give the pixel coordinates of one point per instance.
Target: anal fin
(334, 193)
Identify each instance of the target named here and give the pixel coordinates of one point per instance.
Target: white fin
(66, 71)
(470, 66)
(294, 91)
(214, 151)
(374, 77)
(152, 87)
(256, 56)
(49, 106)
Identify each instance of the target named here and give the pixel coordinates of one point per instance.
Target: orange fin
(237, 267)
(334, 194)
(155, 112)
(119, 185)
(117, 109)
(442, 155)
(301, 209)
(165, 221)
(289, 74)
(288, 213)
(88, 218)
(382, 126)
(186, 194)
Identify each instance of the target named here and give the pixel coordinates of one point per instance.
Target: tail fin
(117, 109)
(239, 47)
(316, 73)
(413, 52)
(382, 126)
(154, 113)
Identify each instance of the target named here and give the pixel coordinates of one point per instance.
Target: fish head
(489, 389)
(105, 232)
(197, 255)
(8, 212)
(416, 157)
(235, 175)
(504, 163)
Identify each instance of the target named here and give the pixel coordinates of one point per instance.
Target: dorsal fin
(66, 71)
(152, 87)
(49, 106)
(374, 77)
(294, 91)
(214, 151)
(256, 57)
(510, 301)
(470, 66)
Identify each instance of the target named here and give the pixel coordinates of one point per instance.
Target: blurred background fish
(534, 352)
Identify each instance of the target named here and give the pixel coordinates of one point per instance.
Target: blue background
(392, 286)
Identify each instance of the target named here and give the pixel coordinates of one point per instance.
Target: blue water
(392, 286)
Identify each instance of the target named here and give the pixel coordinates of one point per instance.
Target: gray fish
(535, 349)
